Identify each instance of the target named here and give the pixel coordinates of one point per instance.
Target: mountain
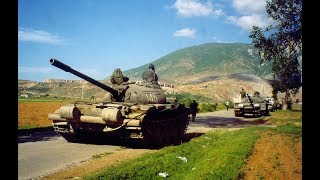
(216, 70)
(206, 61)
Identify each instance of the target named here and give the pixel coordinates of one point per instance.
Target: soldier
(227, 105)
(193, 110)
(243, 93)
(117, 77)
(150, 75)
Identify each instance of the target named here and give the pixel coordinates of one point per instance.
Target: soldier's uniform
(243, 93)
(193, 110)
(149, 75)
(117, 77)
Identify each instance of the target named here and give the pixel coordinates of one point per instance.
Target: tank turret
(126, 92)
(133, 111)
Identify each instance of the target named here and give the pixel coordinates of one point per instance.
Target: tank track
(165, 132)
(160, 128)
(66, 131)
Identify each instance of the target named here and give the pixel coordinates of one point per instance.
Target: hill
(206, 61)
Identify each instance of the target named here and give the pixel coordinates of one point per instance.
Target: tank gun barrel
(67, 68)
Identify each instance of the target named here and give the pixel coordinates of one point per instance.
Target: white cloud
(247, 22)
(253, 13)
(249, 6)
(44, 70)
(218, 12)
(189, 8)
(38, 36)
(215, 39)
(186, 32)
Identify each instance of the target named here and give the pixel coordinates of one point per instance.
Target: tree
(281, 43)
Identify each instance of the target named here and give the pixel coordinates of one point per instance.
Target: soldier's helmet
(151, 66)
(256, 93)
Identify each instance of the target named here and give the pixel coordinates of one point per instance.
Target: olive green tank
(251, 106)
(128, 110)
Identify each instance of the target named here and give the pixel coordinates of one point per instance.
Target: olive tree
(281, 43)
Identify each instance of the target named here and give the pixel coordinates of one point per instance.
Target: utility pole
(82, 91)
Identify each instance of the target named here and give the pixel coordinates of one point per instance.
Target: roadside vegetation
(214, 155)
(205, 104)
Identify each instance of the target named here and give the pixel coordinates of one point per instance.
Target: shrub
(207, 107)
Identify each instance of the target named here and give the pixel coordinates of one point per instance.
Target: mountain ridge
(207, 60)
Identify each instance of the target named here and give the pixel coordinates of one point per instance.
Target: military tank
(251, 106)
(128, 110)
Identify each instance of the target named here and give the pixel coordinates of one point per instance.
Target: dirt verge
(275, 156)
(77, 171)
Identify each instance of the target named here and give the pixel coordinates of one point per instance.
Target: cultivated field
(35, 114)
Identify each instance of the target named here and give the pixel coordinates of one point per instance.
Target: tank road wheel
(258, 113)
(181, 129)
(173, 134)
(70, 134)
(163, 134)
(238, 113)
(151, 133)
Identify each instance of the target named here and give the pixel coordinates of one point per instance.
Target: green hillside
(207, 60)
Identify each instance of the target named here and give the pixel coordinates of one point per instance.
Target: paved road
(221, 119)
(46, 152)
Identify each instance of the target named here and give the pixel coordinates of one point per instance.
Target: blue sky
(97, 36)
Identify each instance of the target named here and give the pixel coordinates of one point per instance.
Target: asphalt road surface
(43, 153)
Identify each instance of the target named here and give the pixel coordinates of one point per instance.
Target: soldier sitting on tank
(117, 77)
(242, 93)
(150, 76)
(256, 93)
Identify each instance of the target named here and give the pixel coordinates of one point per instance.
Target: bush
(207, 107)
(41, 88)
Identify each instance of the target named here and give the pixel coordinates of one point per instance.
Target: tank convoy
(128, 110)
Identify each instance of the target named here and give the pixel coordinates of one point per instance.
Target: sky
(97, 36)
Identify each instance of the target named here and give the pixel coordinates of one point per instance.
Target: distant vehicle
(271, 104)
(236, 101)
(251, 106)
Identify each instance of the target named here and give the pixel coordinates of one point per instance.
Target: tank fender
(69, 112)
(112, 115)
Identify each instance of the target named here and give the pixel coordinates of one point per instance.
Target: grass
(288, 122)
(218, 154)
(97, 156)
(286, 116)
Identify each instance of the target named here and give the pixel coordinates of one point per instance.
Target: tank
(128, 110)
(251, 106)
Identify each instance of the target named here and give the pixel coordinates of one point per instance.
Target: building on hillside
(24, 95)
